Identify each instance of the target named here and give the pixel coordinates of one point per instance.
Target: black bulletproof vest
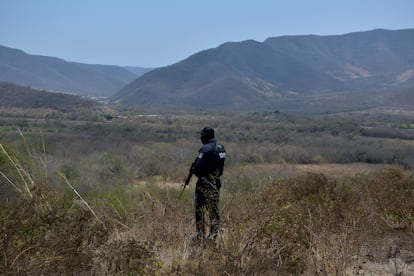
(211, 160)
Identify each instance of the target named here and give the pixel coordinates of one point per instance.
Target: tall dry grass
(47, 230)
(307, 224)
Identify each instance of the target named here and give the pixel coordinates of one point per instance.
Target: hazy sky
(156, 33)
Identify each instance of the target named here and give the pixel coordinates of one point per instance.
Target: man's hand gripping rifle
(187, 179)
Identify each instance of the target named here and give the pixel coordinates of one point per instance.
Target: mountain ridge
(252, 74)
(52, 73)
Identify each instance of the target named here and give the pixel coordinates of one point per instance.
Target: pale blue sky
(158, 33)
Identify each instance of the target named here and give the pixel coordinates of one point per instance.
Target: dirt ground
(343, 170)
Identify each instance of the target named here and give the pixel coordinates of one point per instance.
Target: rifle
(187, 180)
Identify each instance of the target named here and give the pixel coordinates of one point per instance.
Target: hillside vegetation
(16, 96)
(306, 73)
(50, 73)
(101, 197)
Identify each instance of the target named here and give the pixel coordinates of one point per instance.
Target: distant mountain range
(357, 69)
(56, 74)
(306, 73)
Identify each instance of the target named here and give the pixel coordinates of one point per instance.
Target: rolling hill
(12, 96)
(52, 73)
(281, 72)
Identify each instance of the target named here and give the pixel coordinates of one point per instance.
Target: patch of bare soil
(285, 171)
(343, 170)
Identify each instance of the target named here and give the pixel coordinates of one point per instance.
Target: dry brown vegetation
(104, 200)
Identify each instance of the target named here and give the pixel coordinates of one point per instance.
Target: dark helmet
(206, 134)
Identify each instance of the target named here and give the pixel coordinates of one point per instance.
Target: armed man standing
(208, 167)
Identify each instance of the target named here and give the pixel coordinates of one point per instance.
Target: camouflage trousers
(207, 195)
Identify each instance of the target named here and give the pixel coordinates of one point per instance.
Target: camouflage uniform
(208, 167)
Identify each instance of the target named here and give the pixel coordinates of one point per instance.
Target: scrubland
(302, 195)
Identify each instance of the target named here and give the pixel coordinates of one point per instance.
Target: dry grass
(276, 219)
